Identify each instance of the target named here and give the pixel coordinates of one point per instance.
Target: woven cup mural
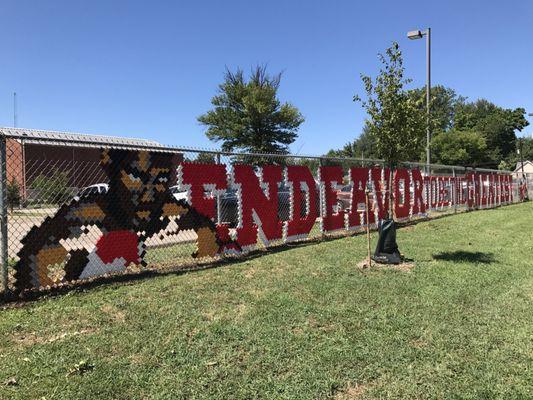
(137, 206)
(138, 209)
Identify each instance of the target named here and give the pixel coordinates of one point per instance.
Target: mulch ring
(406, 266)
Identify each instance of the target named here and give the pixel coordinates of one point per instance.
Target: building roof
(38, 134)
(519, 165)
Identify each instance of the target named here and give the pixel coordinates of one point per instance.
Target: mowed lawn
(302, 322)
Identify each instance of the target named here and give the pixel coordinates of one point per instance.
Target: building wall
(14, 164)
(81, 164)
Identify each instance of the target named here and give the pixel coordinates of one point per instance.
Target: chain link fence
(75, 207)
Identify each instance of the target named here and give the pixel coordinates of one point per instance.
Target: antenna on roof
(14, 109)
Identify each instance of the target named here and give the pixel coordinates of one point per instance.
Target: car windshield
(88, 191)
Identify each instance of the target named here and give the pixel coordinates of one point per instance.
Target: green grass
(302, 322)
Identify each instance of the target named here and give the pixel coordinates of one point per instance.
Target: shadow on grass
(466, 256)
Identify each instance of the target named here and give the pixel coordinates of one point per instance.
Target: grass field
(301, 322)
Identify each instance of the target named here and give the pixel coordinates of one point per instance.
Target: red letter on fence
(196, 178)
(401, 209)
(359, 180)
(303, 192)
(329, 176)
(257, 210)
(381, 190)
(418, 184)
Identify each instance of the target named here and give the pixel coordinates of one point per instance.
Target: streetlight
(413, 35)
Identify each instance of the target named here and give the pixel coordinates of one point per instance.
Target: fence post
(476, 181)
(321, 163)
(219, 211)
(3, 213)
(454, 191)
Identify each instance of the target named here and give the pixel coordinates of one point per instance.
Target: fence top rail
(44, 137)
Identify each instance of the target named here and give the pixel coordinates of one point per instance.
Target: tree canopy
(477, 133)
(362, 147)
(443, 105)
(396, 122)
(496, 124)
(466, 148)
(248, 115)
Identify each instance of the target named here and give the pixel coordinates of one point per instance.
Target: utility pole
(14, 109)
(413, 35)
(521, 145)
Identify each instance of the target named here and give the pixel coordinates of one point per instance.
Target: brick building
(31, 153)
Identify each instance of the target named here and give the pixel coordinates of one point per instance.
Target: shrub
(13, 194)
(52, 188)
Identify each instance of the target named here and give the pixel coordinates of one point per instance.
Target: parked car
(229, 204)
(97, 188)
(177, 193)
(343, 198)
(228, 201)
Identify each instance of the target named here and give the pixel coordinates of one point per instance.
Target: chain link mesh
(78, 210)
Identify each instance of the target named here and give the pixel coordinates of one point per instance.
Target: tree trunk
(391, 194)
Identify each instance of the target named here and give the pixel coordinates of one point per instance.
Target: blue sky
(149, 68)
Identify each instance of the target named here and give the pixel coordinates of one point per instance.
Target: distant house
(528, 169)
(31, 153)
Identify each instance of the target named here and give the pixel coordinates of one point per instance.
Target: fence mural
(152, 205)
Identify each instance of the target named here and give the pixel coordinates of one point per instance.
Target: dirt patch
(418, 343)
(403, 267)
(115, 314)
(352, 391)
(30, 339)
(249, 273)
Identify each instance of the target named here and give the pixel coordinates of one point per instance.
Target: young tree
(396, 123)
(248, 115)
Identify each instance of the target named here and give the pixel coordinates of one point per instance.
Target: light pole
(413, 35)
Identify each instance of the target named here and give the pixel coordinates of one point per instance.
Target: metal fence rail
(74, 207)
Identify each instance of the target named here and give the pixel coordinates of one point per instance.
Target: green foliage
(453, 115)
(205, 158)
(396, 121)
(527, 153)
(362, 147)
(311, 163)
(52, 187)
(443, 105)
(465, 148)
(248, 115)
(13, 194)
(496, 124)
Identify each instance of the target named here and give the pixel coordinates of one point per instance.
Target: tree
(496, 124)
(13, 194)
(362, 147)
(443, 105)
(465, 148)
(396, 123)
(52, 187)
(248, 115)
(514, 158)
(205, 158)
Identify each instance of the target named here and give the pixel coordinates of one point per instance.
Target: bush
(52, 188)
(13, 194)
